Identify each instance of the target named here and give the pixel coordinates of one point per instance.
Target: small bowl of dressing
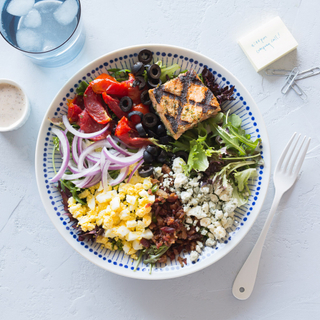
(14, 106)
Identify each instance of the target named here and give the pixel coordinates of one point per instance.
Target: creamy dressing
(12, 104)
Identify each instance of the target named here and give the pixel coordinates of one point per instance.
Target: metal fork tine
(284, 153)
(289, 157)
(295, 157)
(302, 156)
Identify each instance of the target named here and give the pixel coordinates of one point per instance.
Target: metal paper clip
(302, 75)
(299, 91)
(290, 80)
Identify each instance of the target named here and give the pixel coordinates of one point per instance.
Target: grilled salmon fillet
(183, 102)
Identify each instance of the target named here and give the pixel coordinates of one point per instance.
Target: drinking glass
(49, 32)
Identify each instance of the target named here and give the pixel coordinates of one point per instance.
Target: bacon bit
(148, 205)
(145, 242)
(172, 197)
(181, 261)
(167, 229)
(150, 191)
(165, 169)
(154, 181)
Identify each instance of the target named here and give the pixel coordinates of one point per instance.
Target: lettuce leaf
(243, 177)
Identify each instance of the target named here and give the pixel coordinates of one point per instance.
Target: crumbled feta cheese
(198, 249)
(205, 222)
(214, 198)
(157, 172)
(210, 242)
(219, 232)
(186, 195)
(189, 220)
(205, 189)
(194, 255)
(204, 232)
(180, 180)
(205, 207)
(218, 214)
(177, 165)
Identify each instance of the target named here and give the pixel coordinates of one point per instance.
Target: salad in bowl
(152, 165)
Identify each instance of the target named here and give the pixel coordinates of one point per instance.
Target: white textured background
(41, 277)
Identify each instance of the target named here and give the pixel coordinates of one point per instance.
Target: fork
(285, 175)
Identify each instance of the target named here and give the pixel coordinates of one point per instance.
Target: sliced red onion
(74, 150)
(80, 146)
(116, 147)
(81, 134)
(94, 181)
(82, 183)
(88, 150)
(124, 161)
(83, 173)
(105, 174)
(65, 151)
(122, 175)
(135, 169)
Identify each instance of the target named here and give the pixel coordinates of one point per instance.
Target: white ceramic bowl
(24, 116)
(116, 261)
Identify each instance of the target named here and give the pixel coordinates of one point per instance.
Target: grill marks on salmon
(183, 102)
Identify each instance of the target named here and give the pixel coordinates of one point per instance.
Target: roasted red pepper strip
(110, 87)
(133, 91)
(129, 135)
(106, 76)
(94, 106)
(113, 104)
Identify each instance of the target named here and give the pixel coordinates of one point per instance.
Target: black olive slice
(137, 69)
(145, 99)
(139, 81)
(125, 104)
(165, 139)
(145, 171)
(153, 83)
(135, 113)
(162, 157)
(182, 154)
(154, 71)
(153, 150)
(150, 120)
(141, 131)
(148, 157)
(145, 56)
(161, 130)
(152, 134)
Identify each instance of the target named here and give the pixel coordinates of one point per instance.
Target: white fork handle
(245, 280)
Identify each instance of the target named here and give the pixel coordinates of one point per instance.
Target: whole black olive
(137, 69)
(135, 113)
(161, 129)
(145, 99)
(162, 157)
(182, 154)
(147, 157)
(153, 150)
(154, 72)
(125, 104)
(165, 139)
(153, 83)
(145, 56)
(139, 81)
(141, 131)
(150, 120)
(145, 171)
(152, 134)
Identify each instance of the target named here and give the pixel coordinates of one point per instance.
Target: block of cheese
(268, 43)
